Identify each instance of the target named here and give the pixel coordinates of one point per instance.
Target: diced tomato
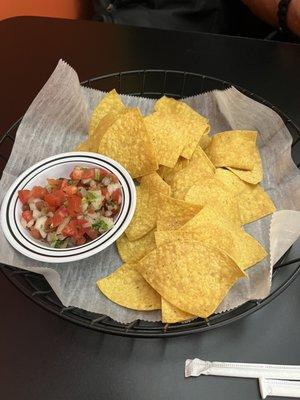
(104, 191)
(74, 205)
(56, 198)
(24, 195)
(80, 241)
(38, 192)
(92, 233)
(103, 172)
(48, 224)
(91, 209)
(76, 174)
(60, 196)
(74, 228)
(59, 216)
(51, 201)
(64, 183)
(114, 179)
(35, 233)
(51, 208)
(40, 205)
(88, 173)
(69, 230)
(56, 183)
(70, 189)
(81, 222)
(115, 211)
(27, 215)
(116, 196)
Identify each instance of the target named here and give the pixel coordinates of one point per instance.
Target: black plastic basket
(153, 84)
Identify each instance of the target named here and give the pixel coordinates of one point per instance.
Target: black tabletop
(45, 357)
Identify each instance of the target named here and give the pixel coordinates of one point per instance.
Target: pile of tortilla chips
(185, 246)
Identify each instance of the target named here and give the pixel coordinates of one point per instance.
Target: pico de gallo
(71, 211)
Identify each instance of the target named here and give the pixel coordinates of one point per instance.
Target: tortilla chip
(212, 192)
(133, 251)
(155, 182)
(183, 180)
(144, 219)
(233, 149)
(230, 180)
(208, 214)
(83, 146)
(168, 173)
(110, 104)
(128, 288)
(161, 171)
(192, 276)
(171, 314)
(172, 213)
(128, 142)
(198, 165)
(254, 202)
(205, 141)
(200, 158)
(92, 143)
(193, 124)
(255, 176)
(106, 122)
(235, 242)
(168, 137)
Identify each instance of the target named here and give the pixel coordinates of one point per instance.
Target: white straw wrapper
(271, 387)
(198, 367)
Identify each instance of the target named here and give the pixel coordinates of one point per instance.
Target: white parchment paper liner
(57, 120)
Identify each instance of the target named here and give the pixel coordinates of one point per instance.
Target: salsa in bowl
(72, 211)
(68, 207)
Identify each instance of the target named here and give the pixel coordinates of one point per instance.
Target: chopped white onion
(63, 225)
(106, 181)
(23, 222)
(36, 214)
(112, 187)
(30, 223)
(32, 206)
(40, 226)
(82, 191)
(43, 233)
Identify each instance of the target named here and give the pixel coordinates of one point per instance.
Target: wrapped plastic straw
(198, 367)
(271, 387)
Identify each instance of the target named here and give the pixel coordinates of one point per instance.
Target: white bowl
(58, 166)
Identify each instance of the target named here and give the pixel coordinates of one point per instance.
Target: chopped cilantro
(90, 197)
(97, 175)
(100, 225)
(58, 243)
